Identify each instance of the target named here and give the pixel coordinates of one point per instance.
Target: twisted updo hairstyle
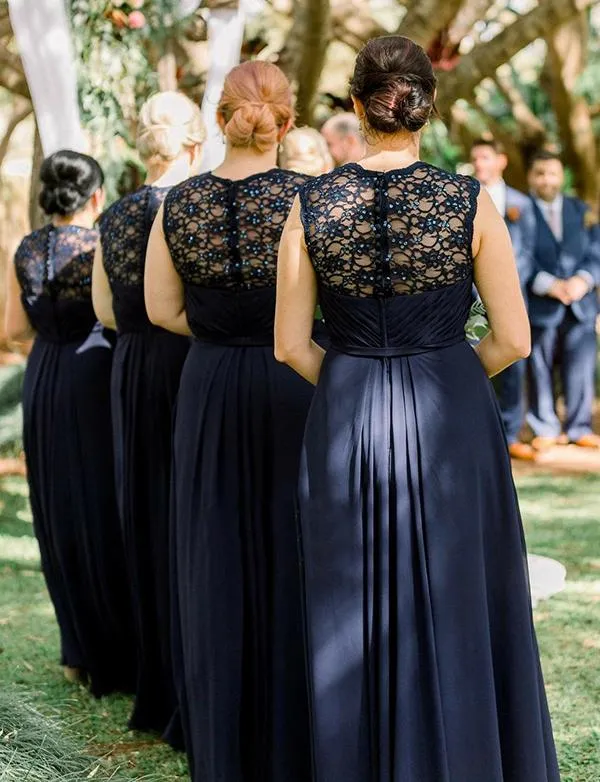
(394, 80)
(168, 123)
(256, 103)
(69, 179)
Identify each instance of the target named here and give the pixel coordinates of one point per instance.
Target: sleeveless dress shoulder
(68, 447)
(423, 662)
(238, 434)
(145, 380)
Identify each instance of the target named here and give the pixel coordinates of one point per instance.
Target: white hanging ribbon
(225, 36)
(43, 39)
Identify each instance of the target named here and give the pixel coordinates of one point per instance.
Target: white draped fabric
(225, 36)
(43, 39)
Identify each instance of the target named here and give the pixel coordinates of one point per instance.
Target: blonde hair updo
(256, 103)
(305, 151)
(168, 123)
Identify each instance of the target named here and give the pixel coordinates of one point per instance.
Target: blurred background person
(305, 151)
(563, 307)
(67, 427)
(489, 163)
(145, 378)
(210, 272)
(344, 139)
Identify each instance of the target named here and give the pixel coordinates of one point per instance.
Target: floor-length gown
(68, 448)
(238, 434)
(145, 379)
(423, 664)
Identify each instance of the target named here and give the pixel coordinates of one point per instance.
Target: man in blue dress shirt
(563, 307)
(489, 163)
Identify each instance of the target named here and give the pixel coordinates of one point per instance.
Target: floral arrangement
(116, 41)
(126, 14)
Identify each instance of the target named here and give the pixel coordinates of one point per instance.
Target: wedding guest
(67, 427)
(423, 663)
(563, 307)
(145, 378)
(343, 136)
(305, 151)
(489, 162)
(210, 273)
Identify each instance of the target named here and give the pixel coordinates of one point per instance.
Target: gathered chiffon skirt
(238, 636)
(68, 447)
(145, 380)
(423, 662)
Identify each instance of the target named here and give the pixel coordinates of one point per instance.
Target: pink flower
(136, 3)
(137, 20)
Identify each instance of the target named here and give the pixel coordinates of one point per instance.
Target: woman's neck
(169, 173)
(387, 152)
(241, 162)
(83, 219)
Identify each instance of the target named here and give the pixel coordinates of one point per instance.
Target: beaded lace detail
(124, 232)
(57, 261)
(225, 233)
(379, 234)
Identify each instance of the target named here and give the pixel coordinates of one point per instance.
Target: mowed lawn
(562, 517)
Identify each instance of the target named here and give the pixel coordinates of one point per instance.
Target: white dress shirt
(497, 193)
(543, 281)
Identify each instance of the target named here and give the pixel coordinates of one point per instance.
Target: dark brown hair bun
(394, 80)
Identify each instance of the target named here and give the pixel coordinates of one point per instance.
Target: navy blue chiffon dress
(423, 663)
(67, 438)
(238, 433)
(145, 380)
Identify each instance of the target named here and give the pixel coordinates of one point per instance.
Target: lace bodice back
(56, 261)
(225, 234)
(373, 234)
(392, 253)
(124, 232)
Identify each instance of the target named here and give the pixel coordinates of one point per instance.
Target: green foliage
(117, 72)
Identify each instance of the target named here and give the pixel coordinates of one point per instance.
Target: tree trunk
(567, 53)
(21, 110)
(426, 19)
(303, 55)
(486, 58)
(37, 218)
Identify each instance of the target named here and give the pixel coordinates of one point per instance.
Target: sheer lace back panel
(124, 232)
(54, 270)
(57, 262)
(225, 234)
(373, 234)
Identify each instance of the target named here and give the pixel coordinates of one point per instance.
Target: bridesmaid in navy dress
(423, 663)
(67, 427)
(210, 272)
(145, 379)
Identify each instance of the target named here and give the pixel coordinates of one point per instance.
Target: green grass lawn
(562, 516)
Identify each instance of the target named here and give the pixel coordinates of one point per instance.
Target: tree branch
(18, 115)
(487, 57)
(425, 19)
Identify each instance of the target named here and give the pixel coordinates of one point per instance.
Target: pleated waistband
(394, 351)
(237, 342)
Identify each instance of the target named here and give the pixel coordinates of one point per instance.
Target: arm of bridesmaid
(163, 287)
(17, 325)
(498, 284)
(101, 292)
(296, 302)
